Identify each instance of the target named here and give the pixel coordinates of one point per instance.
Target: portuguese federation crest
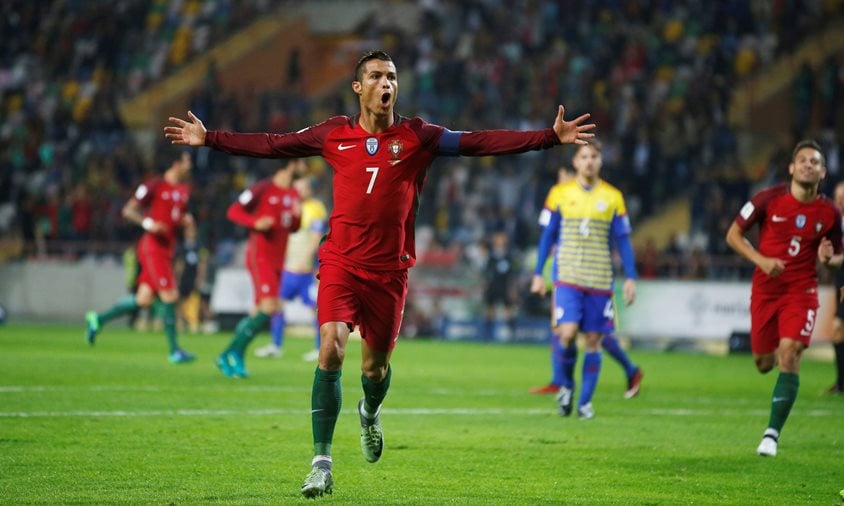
(395, 147)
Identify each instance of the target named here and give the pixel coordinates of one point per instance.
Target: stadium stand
(659, 78)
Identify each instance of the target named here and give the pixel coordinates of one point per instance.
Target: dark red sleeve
(240, 210)
(237, 214)
(755, 210)
(504, 142)
(444, 142)
(305, 142)
(145, 191)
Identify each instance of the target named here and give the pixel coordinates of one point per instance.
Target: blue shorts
(591, 311)
(302, 285)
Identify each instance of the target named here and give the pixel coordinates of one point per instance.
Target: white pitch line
(398, 412)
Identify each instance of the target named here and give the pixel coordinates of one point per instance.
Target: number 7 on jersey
(374, 171)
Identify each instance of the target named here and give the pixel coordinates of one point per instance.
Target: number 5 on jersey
(793, 246)
(374, 172)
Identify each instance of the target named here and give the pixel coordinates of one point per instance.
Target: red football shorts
(372, 300)
(773, 316)
(156, 266)
(266, 276)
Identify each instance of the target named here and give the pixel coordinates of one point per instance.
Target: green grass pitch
(117, 423)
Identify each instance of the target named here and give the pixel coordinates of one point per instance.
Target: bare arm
(132, 212)
(186, 133)
(572, 132)
(738, 242)
(827, 255)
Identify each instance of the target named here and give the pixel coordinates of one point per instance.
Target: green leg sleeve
(785, 393)
(326, 400)
(124, 306)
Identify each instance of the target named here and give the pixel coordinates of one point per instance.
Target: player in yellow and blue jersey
(298, 278)
(587, 217)
(564, 360)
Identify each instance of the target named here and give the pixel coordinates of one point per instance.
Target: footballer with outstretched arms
(380, 161)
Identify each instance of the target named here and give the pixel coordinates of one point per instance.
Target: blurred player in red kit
(271, 210)
(159, 206)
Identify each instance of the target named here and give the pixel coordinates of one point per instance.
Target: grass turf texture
(117, 423)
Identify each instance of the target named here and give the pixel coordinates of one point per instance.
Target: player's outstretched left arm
(508, 142)
(575, 131)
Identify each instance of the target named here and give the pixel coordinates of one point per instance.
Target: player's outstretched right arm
(305, 142)
(186, 133)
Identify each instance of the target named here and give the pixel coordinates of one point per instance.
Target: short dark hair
(368, 56)
(808, 143)
(166, 155)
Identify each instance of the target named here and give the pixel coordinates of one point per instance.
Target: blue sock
(591, 370)
(610, 343)
(569, 361)
(277, 328)
(556, 360)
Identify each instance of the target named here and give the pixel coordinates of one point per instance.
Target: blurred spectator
(804, 93)
(656, 76)
(499, 284)
(830, 82)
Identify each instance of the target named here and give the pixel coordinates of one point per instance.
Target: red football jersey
(377, 177)
(791, 231)
(165, 203)
(266, 199)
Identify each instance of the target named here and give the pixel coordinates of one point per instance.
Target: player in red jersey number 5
(380, 160)
(796, 226)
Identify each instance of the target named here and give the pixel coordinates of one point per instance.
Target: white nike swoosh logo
(341, 147)
(779, 399)
(316, 410)
(777, 219)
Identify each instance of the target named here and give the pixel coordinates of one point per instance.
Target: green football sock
(326, 400)
(246, 330)
(374, 393)
(124, 306)
(168, 316)
(785, 393)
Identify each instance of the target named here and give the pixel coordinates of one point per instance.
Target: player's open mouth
(385, 98)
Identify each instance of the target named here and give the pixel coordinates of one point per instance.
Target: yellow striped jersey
(301, 255)
(587, 218)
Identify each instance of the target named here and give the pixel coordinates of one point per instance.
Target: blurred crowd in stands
(657, 76)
